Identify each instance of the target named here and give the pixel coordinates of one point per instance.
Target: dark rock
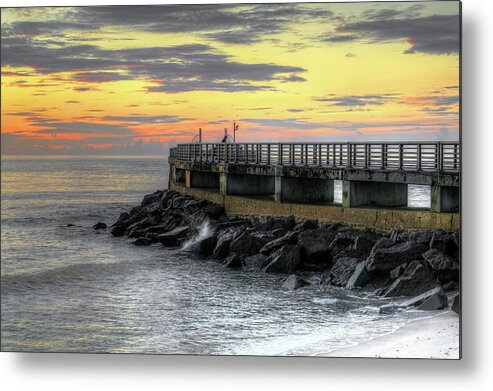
(342, 270)
(434, 302)
(315, 248)
(294, 282)
(362, 245)
(250, 243)
(306, 225)
(152, 198)
(284, 260)
(123, 216)
(289, 238)
(443, 242)
(398, 271)
(423, 237)
(143, 242)
(233, 261)
(268, 223)
(224, 240)
(359, 278)
(438, 299)
(456, 304)
(118, 230)
(417, 278)
(207, 245)
(450, 286)
(383, 260)
(171, 238)
(445, 267)
(255, 262)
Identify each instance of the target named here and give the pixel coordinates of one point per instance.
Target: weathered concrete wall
(381, 219)
(445, 199)
(237, 184)
(204, 179)
(396, 176)
(304, 190)
(356, 193)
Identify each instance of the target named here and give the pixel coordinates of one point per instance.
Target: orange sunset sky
(135, 79)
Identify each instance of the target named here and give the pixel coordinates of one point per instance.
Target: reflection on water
(74, 289)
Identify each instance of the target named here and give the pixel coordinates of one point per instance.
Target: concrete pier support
(237, 184)
(201, 179)
(445, 199)
(304, 190)
(360, 193)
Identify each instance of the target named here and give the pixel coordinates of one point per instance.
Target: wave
(62, 275)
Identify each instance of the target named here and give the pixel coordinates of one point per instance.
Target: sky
(135, 80)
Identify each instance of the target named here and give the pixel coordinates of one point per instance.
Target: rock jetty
(402, 263)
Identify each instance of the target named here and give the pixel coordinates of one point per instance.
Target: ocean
(68, 288)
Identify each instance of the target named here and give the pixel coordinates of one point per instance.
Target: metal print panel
(237, 179)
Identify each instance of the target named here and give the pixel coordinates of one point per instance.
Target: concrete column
(223, 183)
(237, 184)
(204, 180)
(188, 179)
(360, 193)
(445, 199)
(304, 190)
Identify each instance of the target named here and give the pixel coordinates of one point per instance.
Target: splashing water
(205, 231)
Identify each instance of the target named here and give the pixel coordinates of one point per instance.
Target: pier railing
(422, 156)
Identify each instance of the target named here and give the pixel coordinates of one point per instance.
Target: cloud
(357, 100)
(59, 128)
(285, 123)
(174, 69)
(149, 119)
(432, 34)
(99, 77)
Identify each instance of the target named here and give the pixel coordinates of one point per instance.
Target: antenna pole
(200, 135)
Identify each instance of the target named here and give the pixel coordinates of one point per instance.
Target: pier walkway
(373, 175)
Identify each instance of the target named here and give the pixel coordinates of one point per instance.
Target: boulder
(123, 216)
(419, 236)
(152, 198)
(233, 261)
(284, 260)
(255, 262)
(443, 242)
(118, 230)
(99, 225)
(306, 225)
(268, 223)
(207, 245)
(343, 269)
(315, 248)
(445, 267)
(434, 299)
(250, 243)
(224, 239)
(359, 278)
(383, 260)
(294, 282)
(398, 271)
(456, 304)
(416, 279)
(437, 301)
(171, 238)
(143, 242)
(289, 238)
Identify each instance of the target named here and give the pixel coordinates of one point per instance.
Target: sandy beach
(434, 337)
